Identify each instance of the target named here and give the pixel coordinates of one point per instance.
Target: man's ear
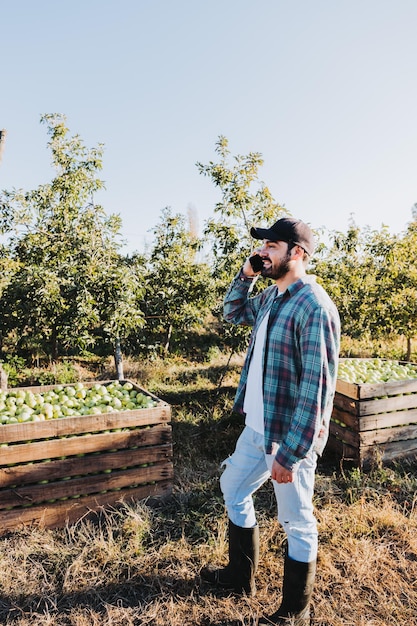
(298, 252)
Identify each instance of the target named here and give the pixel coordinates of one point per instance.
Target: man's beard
(277, 271)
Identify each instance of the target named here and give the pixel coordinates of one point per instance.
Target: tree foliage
(372, 277)
(178, 286)
(69, 284)
(245, 201)
(64, 286)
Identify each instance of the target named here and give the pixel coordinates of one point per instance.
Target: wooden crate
(59, 470)
(374, 422)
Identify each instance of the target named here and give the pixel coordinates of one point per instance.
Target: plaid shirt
(300, 362)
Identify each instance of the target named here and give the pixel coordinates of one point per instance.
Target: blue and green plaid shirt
(300, 362)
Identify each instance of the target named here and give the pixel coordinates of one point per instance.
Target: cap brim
(263, 233)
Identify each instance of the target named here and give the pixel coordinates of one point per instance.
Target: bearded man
(285, 393)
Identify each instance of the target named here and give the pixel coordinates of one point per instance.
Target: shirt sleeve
(238, 307)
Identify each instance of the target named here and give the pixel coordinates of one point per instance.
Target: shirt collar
(295, 287)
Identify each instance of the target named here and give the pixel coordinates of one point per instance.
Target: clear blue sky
(325, 90)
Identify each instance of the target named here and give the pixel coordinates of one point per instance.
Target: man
(286, 393)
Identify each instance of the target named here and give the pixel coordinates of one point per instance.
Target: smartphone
(256, 262)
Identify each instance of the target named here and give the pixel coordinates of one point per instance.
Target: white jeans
(247, 469)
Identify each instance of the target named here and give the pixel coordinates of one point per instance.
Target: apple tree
(347, 269)
(69, 285)
(397, 277)
(244, 201)
(372, 277)
(178, 286)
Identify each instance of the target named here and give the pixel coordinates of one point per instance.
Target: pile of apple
(374, 371)
(20, 405)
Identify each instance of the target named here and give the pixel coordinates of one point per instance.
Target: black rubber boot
(239, 575)
(297, 589)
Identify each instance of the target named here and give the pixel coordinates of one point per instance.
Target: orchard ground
(138, 564)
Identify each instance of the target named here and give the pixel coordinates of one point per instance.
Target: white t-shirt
(254, 398)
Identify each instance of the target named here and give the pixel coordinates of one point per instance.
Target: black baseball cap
(289, 230)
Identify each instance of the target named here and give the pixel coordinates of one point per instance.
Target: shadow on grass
(138, 593)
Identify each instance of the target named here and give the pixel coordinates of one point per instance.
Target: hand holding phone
(256, 262)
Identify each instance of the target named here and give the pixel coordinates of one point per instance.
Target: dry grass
(139, 564)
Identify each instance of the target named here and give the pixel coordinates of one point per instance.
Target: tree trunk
(408, 348)
(169, 333)
(2, 142)
(118, 359)
(3, 379)
(54, 346)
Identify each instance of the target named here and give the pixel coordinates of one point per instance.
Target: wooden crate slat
(387, 420)
(75, 487)
(76, 466)
(350, 419)
(386, 435)
(344, 434)
(384, 405)
(38, 450)
(350, 390)
(375, 405)
(388, 452)
(81, 424)
(392, 388)
(70, 511)
(345, 403)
